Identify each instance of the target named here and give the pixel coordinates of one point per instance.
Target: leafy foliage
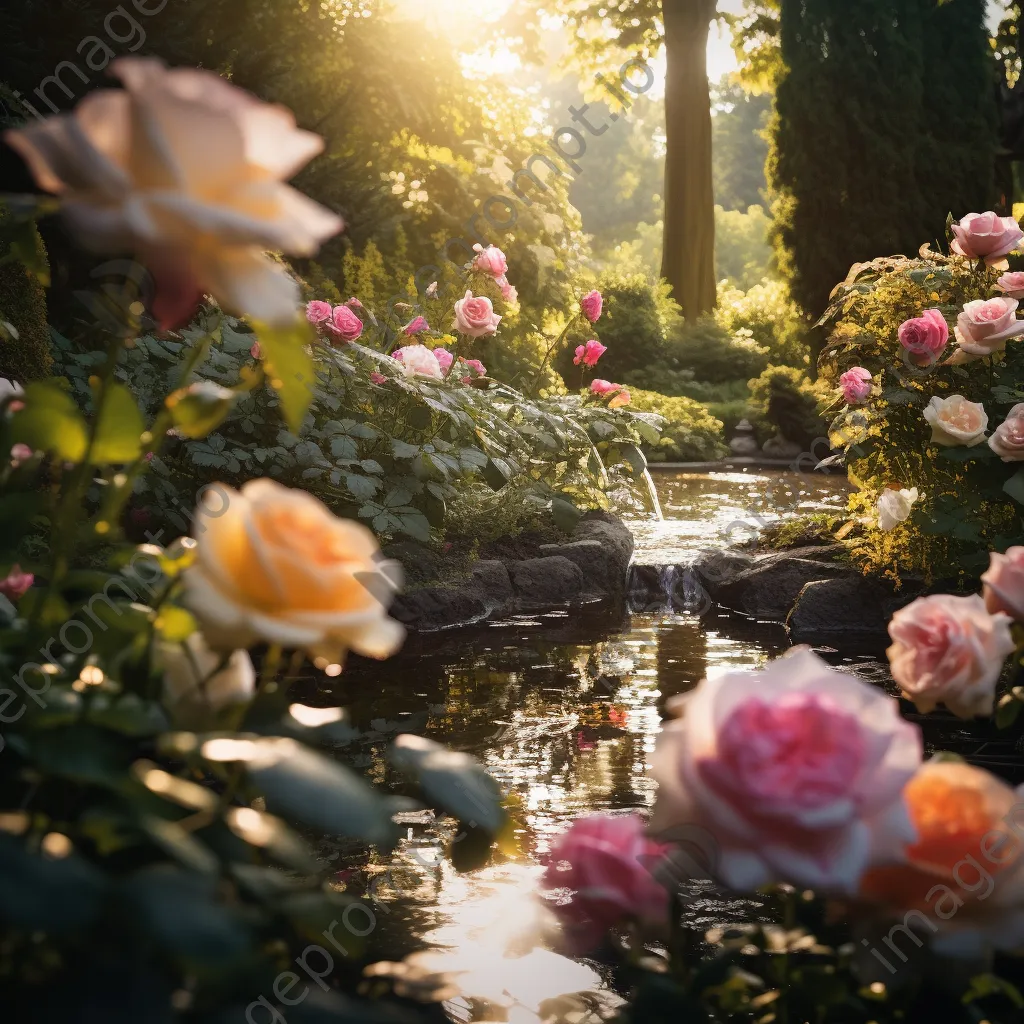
(689, 433)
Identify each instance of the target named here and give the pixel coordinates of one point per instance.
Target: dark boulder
(544, 583)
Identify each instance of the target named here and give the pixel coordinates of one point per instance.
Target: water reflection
(564, 713)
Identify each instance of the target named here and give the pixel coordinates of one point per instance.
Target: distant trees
(885, 122)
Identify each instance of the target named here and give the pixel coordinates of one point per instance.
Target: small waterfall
(666, 588)
(653, 494)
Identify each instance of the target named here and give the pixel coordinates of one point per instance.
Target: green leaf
(452, 781)
(28, 249)
(305, 786)
(200, 408)
(128, 714)
(38, 893)
(118, 429)
(289, 366)
(50, 422)
(634, 457)
(495, 477)
(565, 514)
(1007, 711)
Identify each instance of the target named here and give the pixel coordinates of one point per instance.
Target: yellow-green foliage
(690, 433)
(784, 399)
(23, 304)
(963, 510)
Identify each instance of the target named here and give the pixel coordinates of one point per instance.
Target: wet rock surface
(590, 566)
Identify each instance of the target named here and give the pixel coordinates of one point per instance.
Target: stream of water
(564, 712)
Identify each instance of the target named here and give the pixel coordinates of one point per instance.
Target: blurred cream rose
(188, 172)
(956, 422)
(1003, 583)
(949, 650)
(893, 506)
(1007, 440)
(193, 687)
(275, 564)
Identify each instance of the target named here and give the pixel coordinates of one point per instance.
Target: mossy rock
(23, 304)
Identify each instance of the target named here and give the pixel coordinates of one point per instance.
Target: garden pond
(563, 710)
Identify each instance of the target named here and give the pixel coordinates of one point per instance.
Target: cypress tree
(884, 123)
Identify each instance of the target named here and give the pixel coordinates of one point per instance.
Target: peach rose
(619, 399)
(955, 422)
(275, 564)
(962, 874)
(1007, 440)
(1012, 285)
(949, 650)
(797, 770)
(475, 316)
(984, 327)
(1003, 583)
(893, 506)
(986, 236)
(188, 172)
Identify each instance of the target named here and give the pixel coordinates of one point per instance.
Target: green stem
(550, 352)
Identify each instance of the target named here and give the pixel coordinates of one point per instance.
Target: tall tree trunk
(688, 256)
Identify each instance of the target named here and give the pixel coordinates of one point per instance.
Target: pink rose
(602, 387)
(475, 316)
(20, 453)
(601, 873)
(444, 359)
(508, 291)
(16, 583)
(419, 361)
(476, 366)
(589, 353)
(416, 326)
(318, 312)
(949, 650)
(986, 236)
(378, 378)
(1003, 583)
(796, 769)
(1012, 285)
(1007, 440)
(985, 326)
(354, 303)
(490, 260)
(925, 336)
(255, 351)
(856, 385)
(344, 324)
(591, 305)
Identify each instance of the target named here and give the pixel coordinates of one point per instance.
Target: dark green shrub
(23, 305)
(715, 356)
(689, 434)
(785, 397)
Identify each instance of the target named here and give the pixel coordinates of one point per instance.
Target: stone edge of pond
(590, 567)
(822, 600)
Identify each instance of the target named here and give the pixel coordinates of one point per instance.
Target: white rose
(194, 689)
(894, 506)
(419, 361)
(187, 171)
(956, 422)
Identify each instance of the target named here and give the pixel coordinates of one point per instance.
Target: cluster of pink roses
(339, 323)
(803, 774)
(618, 395)
(492, 261)
(589, 353)
(418, 360)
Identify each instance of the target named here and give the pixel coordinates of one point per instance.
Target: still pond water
(563, 711)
